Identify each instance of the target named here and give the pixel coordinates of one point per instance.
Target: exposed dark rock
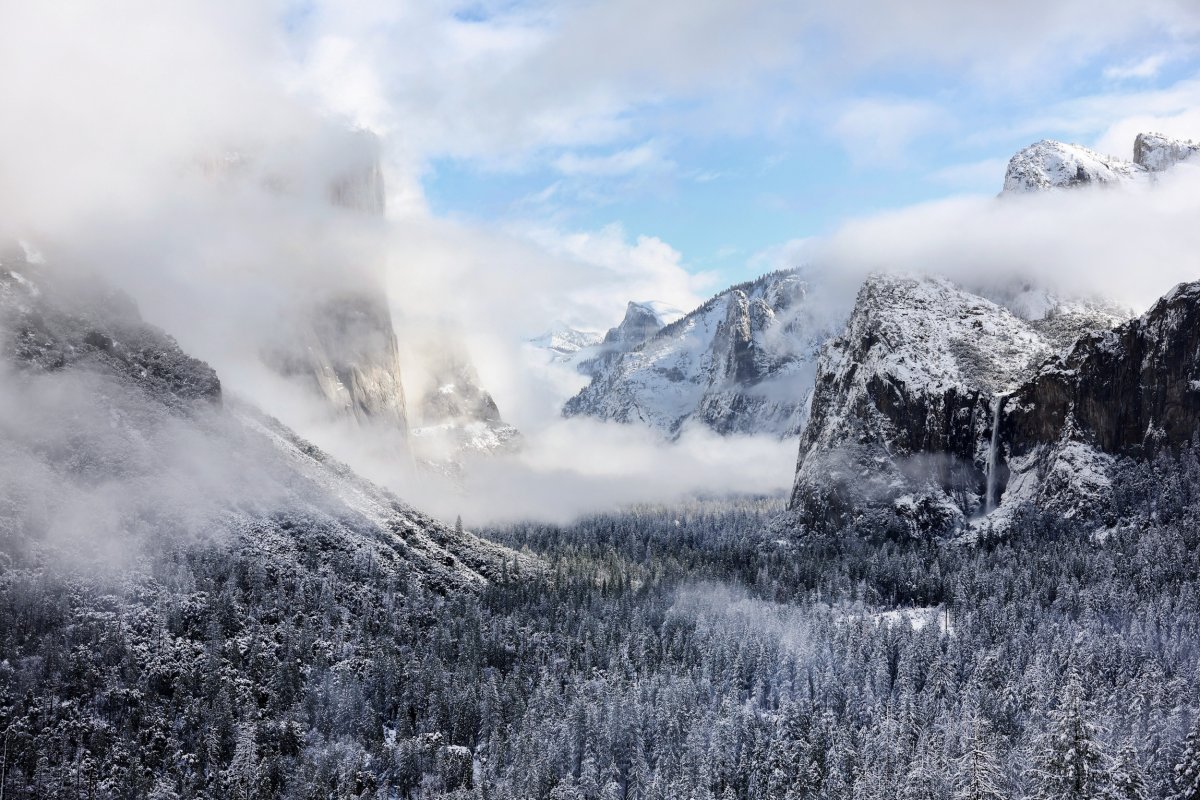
(914, 404)
(50, 325)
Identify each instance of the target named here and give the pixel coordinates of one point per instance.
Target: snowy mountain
(1132, 392)
(740, 363)
(642, 320)
(1050, 164)
(904, 408)
(108, 423)
(563, 342)
(341, 346)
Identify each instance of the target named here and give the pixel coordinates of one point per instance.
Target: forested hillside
(667, 653)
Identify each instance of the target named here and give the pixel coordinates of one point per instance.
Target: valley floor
(686, 652)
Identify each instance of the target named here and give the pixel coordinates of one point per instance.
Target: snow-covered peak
(740, 363)
(1156, 152)
(928, 332)
(1050, 164)
(642, 320)
(563, 341)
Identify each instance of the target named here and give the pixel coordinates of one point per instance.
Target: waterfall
(989, 498)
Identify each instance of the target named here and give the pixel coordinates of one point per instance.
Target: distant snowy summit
(562, 341)
(740, 363)
(1050, 164)
(588, 351)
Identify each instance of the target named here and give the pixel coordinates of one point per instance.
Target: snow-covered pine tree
(1070, 761)
(1187, 771)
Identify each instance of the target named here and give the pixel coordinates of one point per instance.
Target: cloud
(518, 81)
(1145, 68)
(1131, 244)
(578, 466)
(643, 157)
(1106, 121)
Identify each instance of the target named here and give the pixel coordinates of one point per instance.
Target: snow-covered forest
(687, 652)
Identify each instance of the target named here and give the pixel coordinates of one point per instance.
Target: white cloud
(641, 158)
(577, 466)
(1130, 244)
(1147, 67)
(1093, 119)
(526, 79)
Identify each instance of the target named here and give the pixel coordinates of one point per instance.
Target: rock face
(1131, 391)
(114, 440)
(346, 349)
(908, 403)
(1156, 152)
(740, 363)
(455, 412)
(343, 345)
(641, 321)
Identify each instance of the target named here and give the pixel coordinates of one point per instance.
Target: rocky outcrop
(51, 325)
(345, 348)
(340, 343)
(1049, 164)
(1156, 152)
(908, 406)
(456, 416)
(1128, 392)
(641, 322)
(740, 363)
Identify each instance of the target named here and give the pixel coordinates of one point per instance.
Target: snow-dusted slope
(1049, 164)
(904, 403)
(112, 441)
(740, 363)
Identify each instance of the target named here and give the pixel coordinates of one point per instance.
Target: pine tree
(1071, 764)
(1187, 771)
(980, 776)
(1126, 781)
